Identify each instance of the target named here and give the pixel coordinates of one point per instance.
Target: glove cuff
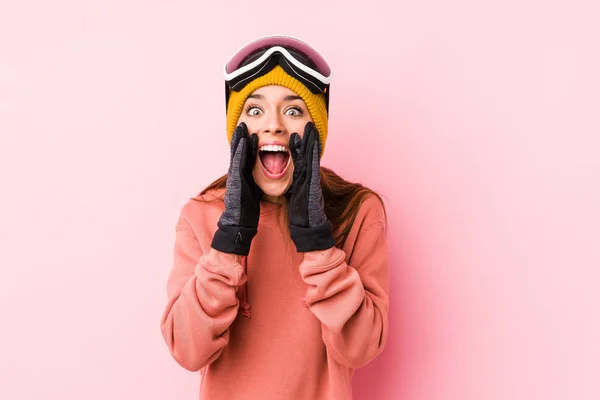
(312, 238)
(233, 239)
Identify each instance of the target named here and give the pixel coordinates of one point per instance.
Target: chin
(273, 189)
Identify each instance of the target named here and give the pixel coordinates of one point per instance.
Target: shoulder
(368, 234)
(211, 195)
(202, 203)
(370, 213)
(368, 225)
(202, 211)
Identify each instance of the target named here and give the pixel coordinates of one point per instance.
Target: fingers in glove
(241, 131)
(295, 142)
(249, 149)
(294, 145)
(236, 169)
(310, 136)
(252, 150)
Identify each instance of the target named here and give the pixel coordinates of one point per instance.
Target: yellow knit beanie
(277, 76)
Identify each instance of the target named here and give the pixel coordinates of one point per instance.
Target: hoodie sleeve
(202, 302)
(351, 298)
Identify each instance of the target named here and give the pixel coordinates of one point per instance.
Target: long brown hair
(342, 200)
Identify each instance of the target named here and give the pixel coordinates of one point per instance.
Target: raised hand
(309, 227)
(238, 223)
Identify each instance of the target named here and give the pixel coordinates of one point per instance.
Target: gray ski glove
(309, 227)
(238, 223)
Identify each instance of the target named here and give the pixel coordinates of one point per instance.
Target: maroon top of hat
(284, 41)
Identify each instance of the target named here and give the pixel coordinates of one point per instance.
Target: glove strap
(312, 238)
(233, 239)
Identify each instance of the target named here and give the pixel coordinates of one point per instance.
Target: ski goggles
(296, 57)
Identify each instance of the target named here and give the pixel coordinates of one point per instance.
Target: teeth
(273, 147)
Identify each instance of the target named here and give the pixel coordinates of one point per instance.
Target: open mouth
(274, 160)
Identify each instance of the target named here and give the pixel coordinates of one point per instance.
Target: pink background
(478, 122)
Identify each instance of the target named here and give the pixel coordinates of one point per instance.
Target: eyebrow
(286, 98)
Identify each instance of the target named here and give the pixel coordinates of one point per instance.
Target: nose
(272, 124)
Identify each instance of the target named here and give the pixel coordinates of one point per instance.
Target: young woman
(280, 281)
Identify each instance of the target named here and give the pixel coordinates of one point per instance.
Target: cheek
(251, 124)
(299, 125)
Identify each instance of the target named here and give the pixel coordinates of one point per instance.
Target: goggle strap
(263, 58)
(242, 80)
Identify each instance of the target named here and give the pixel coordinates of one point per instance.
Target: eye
(296, 111)
(253, 110)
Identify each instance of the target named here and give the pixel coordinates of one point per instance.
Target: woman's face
(274, 113)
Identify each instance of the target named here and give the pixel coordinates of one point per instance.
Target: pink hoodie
(314, 317)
